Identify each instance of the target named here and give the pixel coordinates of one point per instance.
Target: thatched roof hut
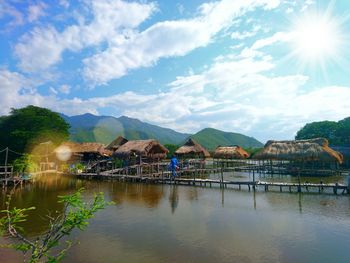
(116, 143)
(299, 150)
(84, 148)
(145, 148)
(191, 148)
(345, 151)
(230, 152)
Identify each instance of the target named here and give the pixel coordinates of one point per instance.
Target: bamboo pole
(6, 159)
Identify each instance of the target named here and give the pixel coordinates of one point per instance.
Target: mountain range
(104, 129)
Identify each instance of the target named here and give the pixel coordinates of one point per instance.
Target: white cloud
(275, 38)
(53, 90)
(232, 94)
(307, 4)
(245, 34)
(8, 10)
(166, 39)
(289, 10)
(180, 8)
(65, 89)
(11, 84)
(42, 47)
(36, 11)
(64, 3)
(39, 49)
(115, 23)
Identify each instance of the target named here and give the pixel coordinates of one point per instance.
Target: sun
(317, 39)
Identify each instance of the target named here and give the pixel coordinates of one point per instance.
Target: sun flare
(317, 38)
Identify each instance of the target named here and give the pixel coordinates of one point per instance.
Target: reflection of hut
(143, 149)
(192, 149)
(230, 152)
(305, 154)
(345, 151)
(115, 144)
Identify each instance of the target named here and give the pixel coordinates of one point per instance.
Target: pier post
(335, 189)
(6, 157)
(253, 179)
(222, 178)
(299, 186)
(194, 176)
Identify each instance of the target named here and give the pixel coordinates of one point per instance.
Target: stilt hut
(307, 157)
(145, 154)
(228, 155)
(115, 144)
(230, 152)
(192, 154)
(192, 149)
(84, 152)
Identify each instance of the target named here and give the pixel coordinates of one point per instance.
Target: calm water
(167, 223)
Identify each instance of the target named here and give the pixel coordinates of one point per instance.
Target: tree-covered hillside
(337, 133)
(211, 138)
(26, 127)
(104, 129)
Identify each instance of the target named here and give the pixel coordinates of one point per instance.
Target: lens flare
(63, 153)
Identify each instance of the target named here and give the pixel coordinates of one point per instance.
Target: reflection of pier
(164, 178)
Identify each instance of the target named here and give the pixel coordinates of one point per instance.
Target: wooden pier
(10, 181)
(165, 178)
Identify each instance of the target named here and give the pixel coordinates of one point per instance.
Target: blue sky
(259, 67)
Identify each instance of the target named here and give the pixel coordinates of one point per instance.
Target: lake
(170, 223)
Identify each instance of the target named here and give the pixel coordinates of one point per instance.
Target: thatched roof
(145, 148)
(191, 147)
(344, 150)
(308, 150)
(116, 143)
(230, 152)
(86, 147)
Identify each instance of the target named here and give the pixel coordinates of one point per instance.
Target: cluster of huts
(289, 156)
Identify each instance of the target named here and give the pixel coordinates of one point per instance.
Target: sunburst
(318, 39)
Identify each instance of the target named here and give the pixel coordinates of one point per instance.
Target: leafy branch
(76, 214)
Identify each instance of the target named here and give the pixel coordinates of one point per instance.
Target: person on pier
(174, 165)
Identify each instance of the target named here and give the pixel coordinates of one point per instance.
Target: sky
(263, 68)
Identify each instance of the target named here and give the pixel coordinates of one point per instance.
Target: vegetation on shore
(27, 127)
(337, 133)
(49, 247)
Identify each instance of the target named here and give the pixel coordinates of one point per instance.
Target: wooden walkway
(10, 181)
(164, 178)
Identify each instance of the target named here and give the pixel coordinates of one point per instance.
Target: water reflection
(140, 194)
(211, 224)
(254, 199)
(173, 198)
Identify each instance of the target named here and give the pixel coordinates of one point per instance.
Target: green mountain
(104, 129)
(211, 138)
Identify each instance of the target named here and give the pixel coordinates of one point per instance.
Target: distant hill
(211, 138)
(104, 129)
